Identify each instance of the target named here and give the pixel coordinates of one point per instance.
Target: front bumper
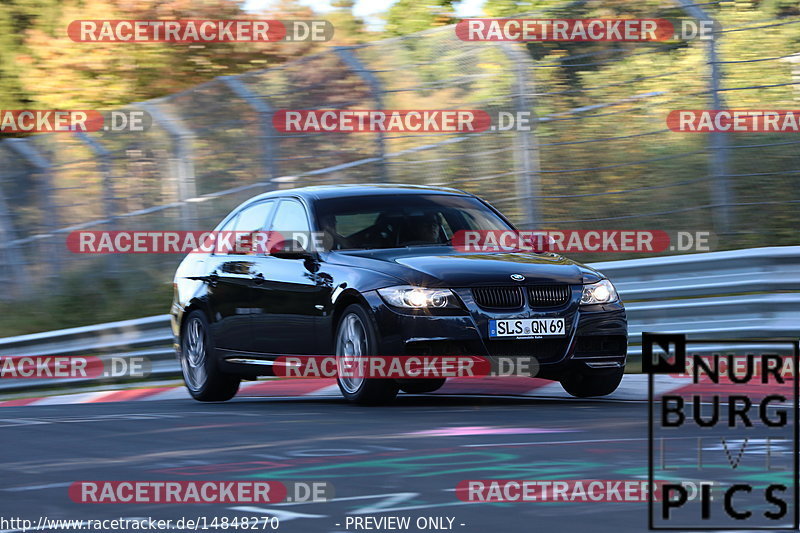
(595, 335)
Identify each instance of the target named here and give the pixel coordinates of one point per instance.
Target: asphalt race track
(401, 460)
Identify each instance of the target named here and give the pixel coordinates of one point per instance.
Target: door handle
(258, 278)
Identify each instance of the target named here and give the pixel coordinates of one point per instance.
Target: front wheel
(589, 382)
(356, 337)
(200, 373)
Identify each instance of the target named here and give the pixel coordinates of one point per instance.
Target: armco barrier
(733, 295)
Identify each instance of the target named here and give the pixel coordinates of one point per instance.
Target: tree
(55, 72)
(16, 17)
(348, 28)
(409, 16)
(508, 8)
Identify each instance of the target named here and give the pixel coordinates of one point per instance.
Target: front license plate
(525, 327)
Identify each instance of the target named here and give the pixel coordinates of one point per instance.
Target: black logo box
(678, 342)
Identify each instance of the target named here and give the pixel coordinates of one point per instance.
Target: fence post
(526, 146)
(11, 252)
(374, 84)
(182, 162)
(103, 166)
(46, 187)
(109, 198)
(794, 60)
(718, 158)
(270, 148)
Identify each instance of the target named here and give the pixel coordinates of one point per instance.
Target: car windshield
(390, 221)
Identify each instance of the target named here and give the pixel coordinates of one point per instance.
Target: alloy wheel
(351, 346)
(193, 361)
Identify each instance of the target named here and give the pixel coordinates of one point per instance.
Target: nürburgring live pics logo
(727, 437)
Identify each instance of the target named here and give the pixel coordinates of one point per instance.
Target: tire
(421, 386)
(201, 375)
(586, 383)
(356, 335)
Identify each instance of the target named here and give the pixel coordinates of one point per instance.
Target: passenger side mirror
(542, 242)
(290, 249)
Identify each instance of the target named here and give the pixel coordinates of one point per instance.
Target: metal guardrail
(149, 337)
(736, 294)
(752, 293)
(110, 337)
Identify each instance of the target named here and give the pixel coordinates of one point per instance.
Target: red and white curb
(633, 387)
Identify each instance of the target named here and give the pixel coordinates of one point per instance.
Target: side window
(290, 218)
(225, 228)
(290, 224)
(249, 220)
(253, 218)
(228, 226)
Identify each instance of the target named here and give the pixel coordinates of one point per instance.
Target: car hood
(445, 267)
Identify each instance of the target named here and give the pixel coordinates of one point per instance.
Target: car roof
(317, 192)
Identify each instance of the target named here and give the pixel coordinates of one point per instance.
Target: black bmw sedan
(384, 278)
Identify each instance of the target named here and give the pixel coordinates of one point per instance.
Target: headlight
(419, 298)
(602, 292)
